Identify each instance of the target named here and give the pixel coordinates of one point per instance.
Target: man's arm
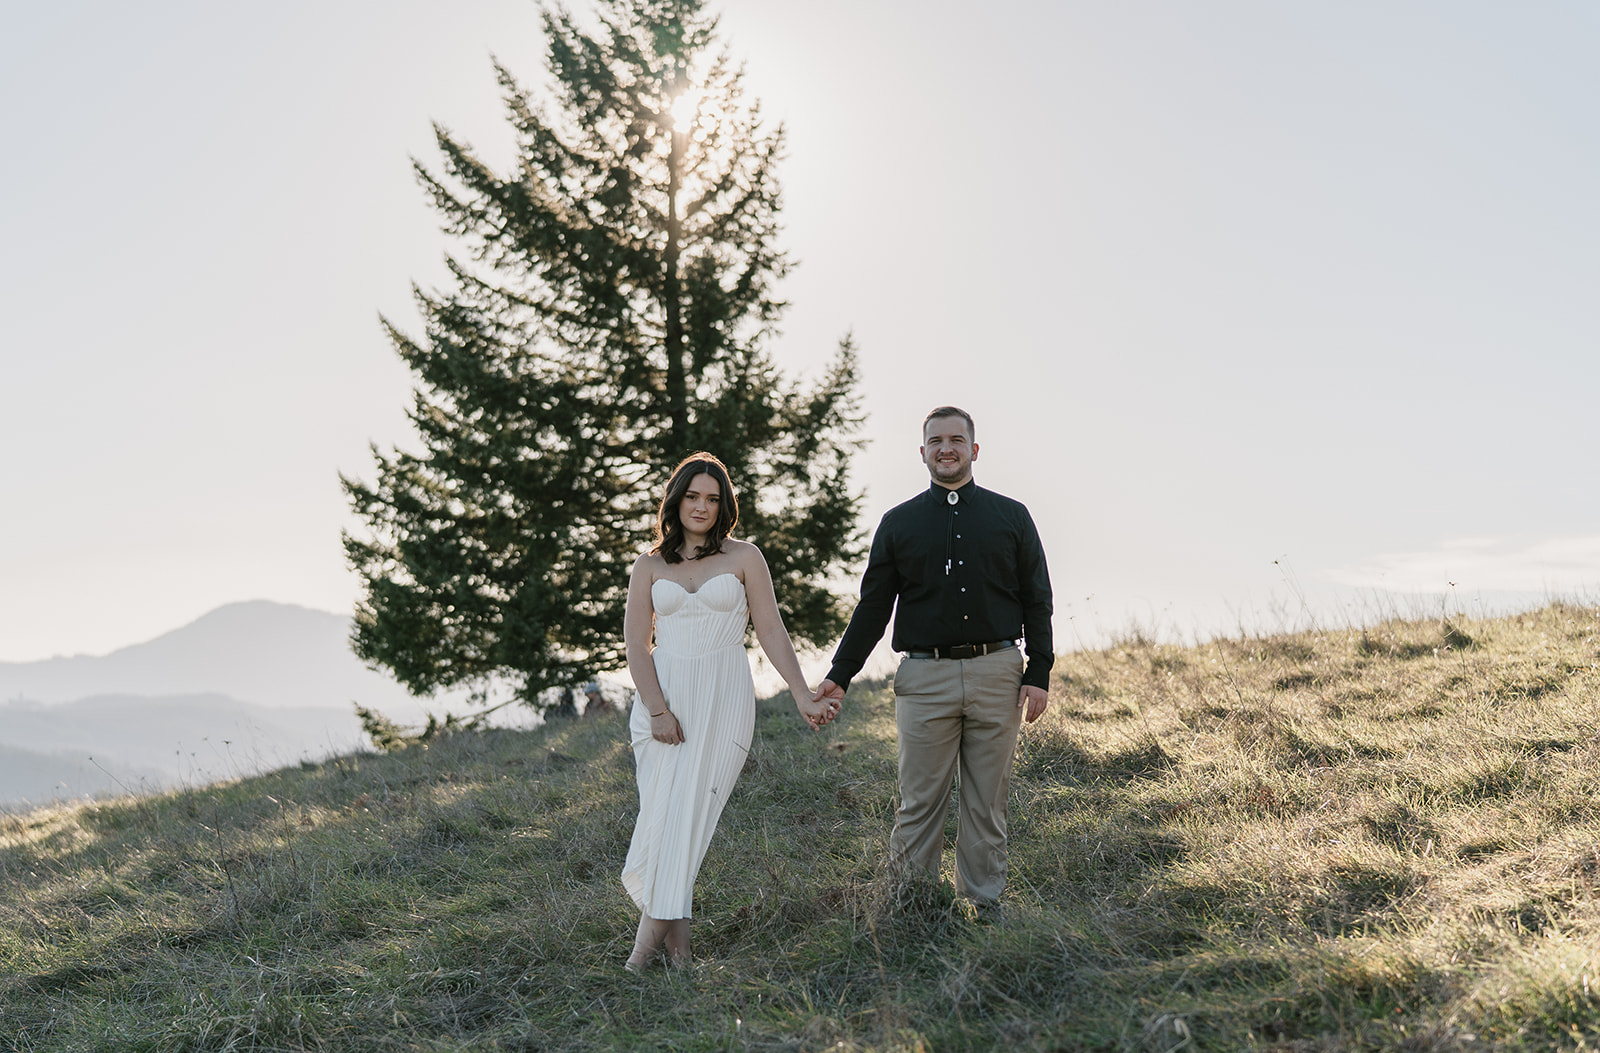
(880, 585)
(1033, 582)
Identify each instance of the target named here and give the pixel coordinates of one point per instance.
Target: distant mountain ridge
(246, 688)
(31, 776)
(270, 654)
(112, 743)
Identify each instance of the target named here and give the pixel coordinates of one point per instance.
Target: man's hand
(832, 692)
(1031, 700)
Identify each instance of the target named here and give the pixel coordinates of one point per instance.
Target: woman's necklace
(692, 578)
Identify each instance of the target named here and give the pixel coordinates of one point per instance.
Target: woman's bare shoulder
(746, 557)
(650, 563)
(743, 551)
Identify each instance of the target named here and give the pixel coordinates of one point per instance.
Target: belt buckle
(965, 650)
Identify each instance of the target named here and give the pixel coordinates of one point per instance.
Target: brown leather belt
(965, 650)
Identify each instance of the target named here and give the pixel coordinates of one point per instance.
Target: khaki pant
(951, 713)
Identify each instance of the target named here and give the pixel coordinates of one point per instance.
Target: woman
(694, 711)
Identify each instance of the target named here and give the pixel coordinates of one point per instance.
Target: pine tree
(611, 311)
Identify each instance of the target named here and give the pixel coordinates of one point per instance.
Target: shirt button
(966, 617)
(958, 536)
(961, 562)
(963, 590)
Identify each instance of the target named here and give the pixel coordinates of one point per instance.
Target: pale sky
(1266, 310)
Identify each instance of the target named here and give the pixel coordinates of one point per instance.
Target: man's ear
(974, 451)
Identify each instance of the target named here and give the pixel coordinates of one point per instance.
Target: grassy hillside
(1340, 840)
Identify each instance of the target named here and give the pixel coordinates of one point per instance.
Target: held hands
(821, 707)
(1032, 700)
(664, 728)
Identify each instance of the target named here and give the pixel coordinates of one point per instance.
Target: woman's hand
(664, 728)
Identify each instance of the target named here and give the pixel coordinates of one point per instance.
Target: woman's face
(700, 505)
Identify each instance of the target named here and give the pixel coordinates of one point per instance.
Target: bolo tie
(951, 498)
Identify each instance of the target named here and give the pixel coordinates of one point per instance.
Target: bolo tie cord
(950, 532)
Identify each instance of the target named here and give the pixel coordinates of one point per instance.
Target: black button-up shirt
(969, 572)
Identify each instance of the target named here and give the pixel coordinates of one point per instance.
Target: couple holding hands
(962, 571)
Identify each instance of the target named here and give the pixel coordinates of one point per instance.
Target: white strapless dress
(705, 674)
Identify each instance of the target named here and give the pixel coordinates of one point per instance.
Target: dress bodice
(710, 618)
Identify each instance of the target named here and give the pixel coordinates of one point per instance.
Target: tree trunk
(677, 383)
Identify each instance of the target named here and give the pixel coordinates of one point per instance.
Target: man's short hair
(951, 411)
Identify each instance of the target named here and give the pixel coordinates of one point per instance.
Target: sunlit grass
(1380, 838)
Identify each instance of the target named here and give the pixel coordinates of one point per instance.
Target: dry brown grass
(1411, 807)
(1385, 838)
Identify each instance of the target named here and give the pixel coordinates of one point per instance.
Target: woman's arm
(638, 625)
(774, 638)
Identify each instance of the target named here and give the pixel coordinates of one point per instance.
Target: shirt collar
(941, 493)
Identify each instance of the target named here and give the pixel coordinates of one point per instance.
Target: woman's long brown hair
(669, 534)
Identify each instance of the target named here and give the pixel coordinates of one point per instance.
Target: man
(964, 572)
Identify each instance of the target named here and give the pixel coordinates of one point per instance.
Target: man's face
(948, 451)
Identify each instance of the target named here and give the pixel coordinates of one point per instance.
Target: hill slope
(1378, 839)
(141, 743)
(48, 775)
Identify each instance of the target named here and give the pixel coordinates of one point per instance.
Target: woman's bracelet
(660, 714)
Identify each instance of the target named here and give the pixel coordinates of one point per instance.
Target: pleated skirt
(683, 788)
